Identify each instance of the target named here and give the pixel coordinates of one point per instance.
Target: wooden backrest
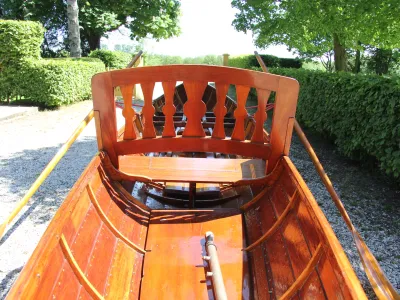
(193, 139)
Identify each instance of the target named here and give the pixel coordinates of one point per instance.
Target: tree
(319, 26)
(156, 19)
(73, 28)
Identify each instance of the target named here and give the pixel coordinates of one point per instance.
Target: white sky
(206, 28)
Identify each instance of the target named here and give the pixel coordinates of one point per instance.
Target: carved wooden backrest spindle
(193, 139)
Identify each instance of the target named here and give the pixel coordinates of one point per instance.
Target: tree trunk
(382, 60)
(339, 54)
(73, 28)
(94, 41)
(357, 63)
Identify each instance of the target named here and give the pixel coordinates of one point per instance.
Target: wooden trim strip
(268, 179)
(143, 207)
(304, 275)
(293, 201)
(107, 221)
(245, 206)
(78, 271)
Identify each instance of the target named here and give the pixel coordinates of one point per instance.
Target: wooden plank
(260, 116)
(240, 113)
(169, 108)
(304, 275)
(77, 270)
(148, 110)
(51, 274)
(263, 284)
(194, 109)
(86, 237)
(101, 259)
(312, 288)
(220, 111)
(197, 73)
(27, 286)
(177, 235)
(128, 112)
(194, 144)
(276, 225)
(200, 170)
(67, 285)
(329, 280)
(120, 275)
(342, 266)
(111, 226)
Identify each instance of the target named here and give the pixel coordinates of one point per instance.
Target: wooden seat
(174, 269)
(198, 170)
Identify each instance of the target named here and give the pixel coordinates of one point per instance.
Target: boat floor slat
(174, 269)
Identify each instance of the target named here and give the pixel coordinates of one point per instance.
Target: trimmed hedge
(160, 60)
(50, 82)
(19, 40)
(360, 112)
(271, 61)
(112, 59)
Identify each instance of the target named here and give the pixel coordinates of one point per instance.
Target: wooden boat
(131, 226)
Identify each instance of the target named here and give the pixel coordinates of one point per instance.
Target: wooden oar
(53, 163)
(50, 166)
(381, 285)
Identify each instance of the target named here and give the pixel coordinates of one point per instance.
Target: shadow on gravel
(21, 170)
(8, 281)
(371, 199)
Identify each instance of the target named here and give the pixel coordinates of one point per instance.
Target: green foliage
(50, 82)
(271, 61)
(159, 60)
(112, 59)
(360, 112)
(309, 26)
(156, 19)
(19, 40)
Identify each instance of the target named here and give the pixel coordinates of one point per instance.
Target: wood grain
(220, 111)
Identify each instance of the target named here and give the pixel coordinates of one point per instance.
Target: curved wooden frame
(195, 78)
(80, 275)
(294, 199)
(108, 223)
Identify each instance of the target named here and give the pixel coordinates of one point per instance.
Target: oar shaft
(45, 173)
(322, 174)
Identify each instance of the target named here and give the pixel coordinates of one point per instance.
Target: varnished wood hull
(100, 232)
(107, 241)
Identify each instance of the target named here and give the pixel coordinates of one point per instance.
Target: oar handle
(45, 173)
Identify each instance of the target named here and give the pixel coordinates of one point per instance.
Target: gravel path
(31, 141)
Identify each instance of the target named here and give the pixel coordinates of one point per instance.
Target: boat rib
(293, 201)
(78, 271)
(294, 288)
(107, 221)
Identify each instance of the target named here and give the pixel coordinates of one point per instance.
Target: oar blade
(381, 285)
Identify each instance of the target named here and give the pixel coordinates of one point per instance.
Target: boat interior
(193, 161)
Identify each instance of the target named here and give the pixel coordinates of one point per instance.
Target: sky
(206, 28)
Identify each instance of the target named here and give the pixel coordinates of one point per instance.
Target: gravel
(32, 140)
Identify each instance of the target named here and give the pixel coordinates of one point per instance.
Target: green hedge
(19, 40)
(250, 61)
(360, 112)
(50, 82)
(112, 59)
(160, 60)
